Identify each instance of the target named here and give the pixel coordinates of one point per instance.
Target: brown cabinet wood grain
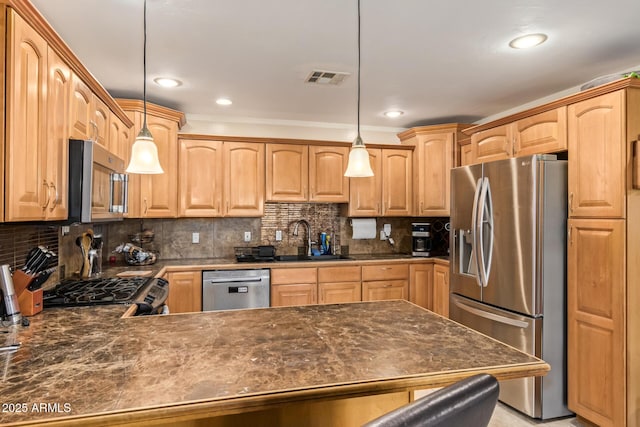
(596, 320)
(441, 289)
(185, 291)
(294, 286)
(365, 194)
(244, 176)
(327, 182)
(287, 173)
(339, 284)
(421, 285)
(597, 157)
(385, 289)
(545, 132)
(201, 178)
(100, 121)
(80, 115)
(492, 144)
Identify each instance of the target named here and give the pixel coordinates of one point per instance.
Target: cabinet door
(26, 190)
(327, 182)
(597, 160)
(287, 172)
(596, 320)
(441, 290)
(492, 144)
(119, 138)
(397, 186)
(421, 285)
(59, 92)
(543, 133)
(100, 121)
(80, 115)
(383, 290)
(159, 193)
(299, 294)
(339, 292)
(244, 179)
(185, 291)
(200, 178)
(365, 194)
(436, 160)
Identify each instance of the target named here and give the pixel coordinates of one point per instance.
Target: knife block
(30, 302)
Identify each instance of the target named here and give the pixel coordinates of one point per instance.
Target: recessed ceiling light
(223, 101)
(527, 41)
(167, 82)
(393, 113)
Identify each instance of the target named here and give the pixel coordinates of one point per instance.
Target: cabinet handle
(145, 206)
(57, 199)
(227, 207)
(570, 235)
(571, 202)
(46, 203)
(421, 207)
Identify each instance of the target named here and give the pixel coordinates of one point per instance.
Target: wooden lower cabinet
(595, 320)
(385, 289)
(421, 285)
(185, 291)
(294, 286)
(441, 289)
(339, 284)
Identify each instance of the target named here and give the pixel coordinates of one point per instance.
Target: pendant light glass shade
(144, 153)
(359, 164)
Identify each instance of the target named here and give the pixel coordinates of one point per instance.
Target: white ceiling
(438, 61)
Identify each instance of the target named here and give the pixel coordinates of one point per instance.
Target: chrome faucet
(295, 233)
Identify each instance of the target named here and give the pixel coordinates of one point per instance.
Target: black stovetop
(78, 292)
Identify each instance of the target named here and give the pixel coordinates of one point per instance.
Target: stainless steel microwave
(97, 183)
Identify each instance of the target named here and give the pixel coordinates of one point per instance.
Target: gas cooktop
(77, 292)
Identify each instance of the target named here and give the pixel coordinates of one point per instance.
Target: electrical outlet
(65, 230)
(278, 235)
(387, 229)
(195, 237)
(247, 236)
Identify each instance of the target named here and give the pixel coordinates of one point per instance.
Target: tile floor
(504, 416)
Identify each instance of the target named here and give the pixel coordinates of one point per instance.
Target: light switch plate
(278, 235)
(195, 237)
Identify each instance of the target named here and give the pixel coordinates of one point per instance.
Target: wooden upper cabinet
(466, 155)
(327, 182)
(80, 116)
(59, 96)
(435, 159)
(492, 144)
(27, 192)
(597, 157)
(542, 133)
(120, 139)
(365, 194)
(200, 178)
(159, 193)
(596, 288)
(244, 176)
(397, 187)
(287, 173)
(100, 121)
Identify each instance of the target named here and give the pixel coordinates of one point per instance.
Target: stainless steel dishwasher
(235, 289)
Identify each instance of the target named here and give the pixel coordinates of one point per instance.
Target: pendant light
(359, 165)
(144, 153)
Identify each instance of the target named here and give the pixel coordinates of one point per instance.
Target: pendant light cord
(144, 67)
(358, 137)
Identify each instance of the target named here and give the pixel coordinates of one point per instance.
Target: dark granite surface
(95, 362)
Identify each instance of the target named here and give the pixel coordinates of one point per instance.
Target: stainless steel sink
(294, 258)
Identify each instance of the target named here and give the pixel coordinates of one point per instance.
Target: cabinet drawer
(338, 274)
(285, 276)
(385, 272)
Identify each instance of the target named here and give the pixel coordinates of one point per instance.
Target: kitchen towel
(364, 228)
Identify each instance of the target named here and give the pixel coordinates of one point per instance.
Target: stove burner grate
(73, 292)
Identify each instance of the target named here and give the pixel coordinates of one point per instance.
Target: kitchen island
(311, 365)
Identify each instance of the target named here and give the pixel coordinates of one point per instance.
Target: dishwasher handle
(234, 280)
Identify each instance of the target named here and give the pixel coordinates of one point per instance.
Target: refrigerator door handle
(491, 316)
(474, 234)
(485, 218)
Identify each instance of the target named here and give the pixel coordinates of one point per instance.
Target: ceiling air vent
(326, 77)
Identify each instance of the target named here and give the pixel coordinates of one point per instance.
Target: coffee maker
(422, 241)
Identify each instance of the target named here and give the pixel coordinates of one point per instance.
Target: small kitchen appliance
(10, 307)
(422, 240)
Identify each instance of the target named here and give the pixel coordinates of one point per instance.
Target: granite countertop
(110, 270)
(92, 366)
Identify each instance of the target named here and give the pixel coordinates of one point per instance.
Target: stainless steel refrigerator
(508, 268)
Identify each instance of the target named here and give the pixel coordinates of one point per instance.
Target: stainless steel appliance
(235, 289)
(508, 267)
(149, 294)
(97, 183)
(422, 241)
(9, 307)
